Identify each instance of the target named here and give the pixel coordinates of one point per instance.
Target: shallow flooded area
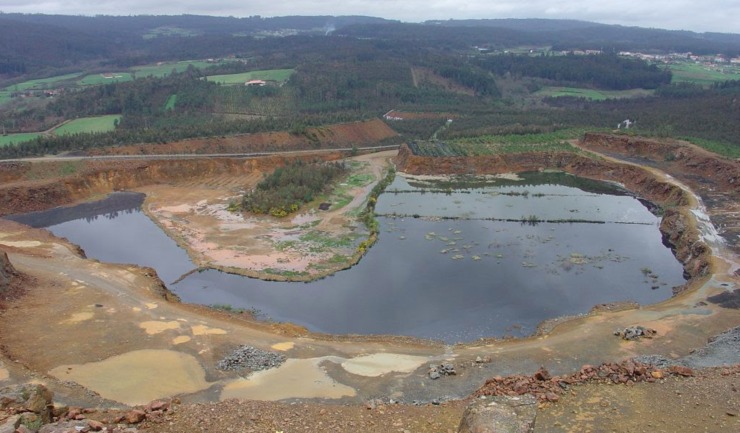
(454, 262)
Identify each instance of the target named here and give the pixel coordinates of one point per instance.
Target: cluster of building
(676, 57)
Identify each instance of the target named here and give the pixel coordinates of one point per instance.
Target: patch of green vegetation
(702, 74)
(592, 94)
(89, 125)
(279, 75)
(171, 101)
(341, 201)
(228, 308)
(724, 149)
(284, 245)
(40, 84)
(360, 179)
(338, 259)
(164, 69)
(318, 241)
(285, 273)
(17, 138)
(105, 78)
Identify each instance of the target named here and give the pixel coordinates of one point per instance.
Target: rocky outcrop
(500, 415)
(7, 272)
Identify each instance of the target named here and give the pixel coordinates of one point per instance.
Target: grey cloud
(708, 15)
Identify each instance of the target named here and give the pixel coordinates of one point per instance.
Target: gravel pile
(250, 358)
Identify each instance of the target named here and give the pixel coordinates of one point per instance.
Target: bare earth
(195, 214)
(105, 335)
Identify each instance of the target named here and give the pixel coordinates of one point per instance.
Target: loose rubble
(31, 409)
(437, 371)
(546, 387)
(635, 333)
(250, 358)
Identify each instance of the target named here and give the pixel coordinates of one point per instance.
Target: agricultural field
(162, 69)
(17, 138)
(592, 94)
(497, 144)
(40, 84)
(113, 77)
(89, 124)
(704, 75)
(279, 75)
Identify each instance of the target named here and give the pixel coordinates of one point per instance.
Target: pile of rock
(549, 388)
(30, 409)
(635, 333)
(250, 358)
(437, 371)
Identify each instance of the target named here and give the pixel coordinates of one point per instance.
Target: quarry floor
(105, 335)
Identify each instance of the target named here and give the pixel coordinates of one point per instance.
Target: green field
(17, 138)
(89, 124)
(171, 101)
(113, 77)
(271, 75)
(592, 94)
(162, 69)
(704, 75)
(40, 84)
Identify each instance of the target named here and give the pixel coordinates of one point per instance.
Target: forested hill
(560, 34)
(38, 44)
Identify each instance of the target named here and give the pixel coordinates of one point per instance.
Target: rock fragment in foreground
(501, 414)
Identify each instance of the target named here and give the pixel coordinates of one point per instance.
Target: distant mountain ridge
(37, 44)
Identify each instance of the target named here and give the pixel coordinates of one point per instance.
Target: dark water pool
(430, 277)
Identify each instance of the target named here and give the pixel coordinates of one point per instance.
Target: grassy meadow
(89, 124)
(592, 94)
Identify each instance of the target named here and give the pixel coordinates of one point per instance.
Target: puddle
(181, 339)
(155, 327)
(205, 330)
(297, 378)
(79, 317)
(379, 364)
(283, 347)
(138, 377)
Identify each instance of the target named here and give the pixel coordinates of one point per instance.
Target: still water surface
(430, 277)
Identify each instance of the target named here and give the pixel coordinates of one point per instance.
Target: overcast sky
(696, 15)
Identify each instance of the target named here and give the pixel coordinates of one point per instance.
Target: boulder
(501, 414)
